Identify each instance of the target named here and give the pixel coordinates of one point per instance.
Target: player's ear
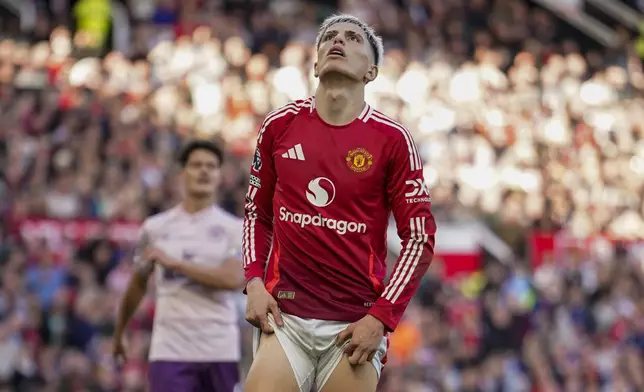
(315, 69)
(371, 74)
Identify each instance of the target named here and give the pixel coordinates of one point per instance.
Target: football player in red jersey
(326, 175)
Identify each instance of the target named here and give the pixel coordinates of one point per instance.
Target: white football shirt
(193, 322)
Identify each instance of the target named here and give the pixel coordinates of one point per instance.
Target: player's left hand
(365, 336)
(158, 256)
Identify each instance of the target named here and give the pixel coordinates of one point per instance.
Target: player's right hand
(118, 352)
(259, 303)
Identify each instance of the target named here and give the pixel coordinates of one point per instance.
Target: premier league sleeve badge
(257, 160)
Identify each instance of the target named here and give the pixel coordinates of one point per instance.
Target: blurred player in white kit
(194, 252)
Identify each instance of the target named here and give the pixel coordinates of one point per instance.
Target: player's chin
(201, 192)
(335, 69)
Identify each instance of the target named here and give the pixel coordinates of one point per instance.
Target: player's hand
(259, 304)
(365, 336)
(118, 351)
(156, 255)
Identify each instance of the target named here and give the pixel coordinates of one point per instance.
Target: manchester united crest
(359, 160)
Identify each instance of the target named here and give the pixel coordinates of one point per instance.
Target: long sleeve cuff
(252, 271)
(383, 310)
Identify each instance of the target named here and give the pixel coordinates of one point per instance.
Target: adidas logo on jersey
(295, 152)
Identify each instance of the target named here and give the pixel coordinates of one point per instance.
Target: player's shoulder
(282, 116)
(226, 217)
(387, 126)
(160, 220)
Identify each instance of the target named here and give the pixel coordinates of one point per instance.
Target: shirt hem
(344, 316)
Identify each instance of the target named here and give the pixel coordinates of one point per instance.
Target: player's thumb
(344, 335)
(264, 325)
(277, 315)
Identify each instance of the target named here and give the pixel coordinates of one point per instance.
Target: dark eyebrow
(348, 33)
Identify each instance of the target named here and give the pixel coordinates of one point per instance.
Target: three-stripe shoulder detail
(414, 157)
(291, 108)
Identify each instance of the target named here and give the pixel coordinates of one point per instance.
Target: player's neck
(339, 101)
(193, 205)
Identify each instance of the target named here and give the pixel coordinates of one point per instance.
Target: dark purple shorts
(167, 376)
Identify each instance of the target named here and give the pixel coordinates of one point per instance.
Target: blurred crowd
(523, 123)
(575, 326)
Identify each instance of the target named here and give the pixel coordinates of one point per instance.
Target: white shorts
(310, 347)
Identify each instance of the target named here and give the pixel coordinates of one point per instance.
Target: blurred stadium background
(528, 113)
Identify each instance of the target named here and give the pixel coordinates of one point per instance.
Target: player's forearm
(133, 295)
(258, 210)
(256, 245)
(227, 277)
(411, 266)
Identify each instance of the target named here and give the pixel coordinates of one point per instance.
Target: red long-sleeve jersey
(317, 211)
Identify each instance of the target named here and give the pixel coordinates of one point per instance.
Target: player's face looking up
(345, 50)
(201, 174)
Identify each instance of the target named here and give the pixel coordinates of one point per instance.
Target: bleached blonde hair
(375, 41)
